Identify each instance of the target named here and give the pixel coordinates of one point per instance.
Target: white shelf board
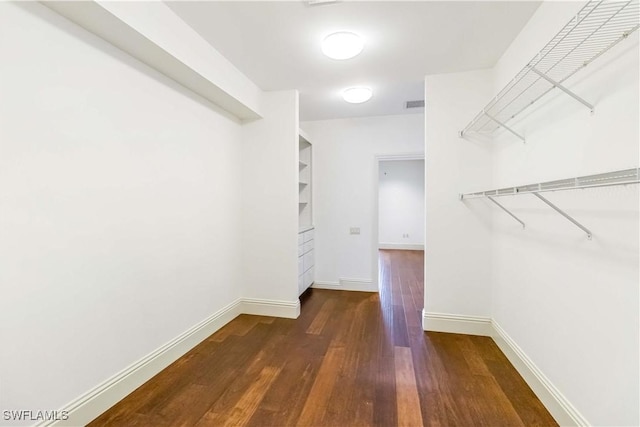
(303, 136)
(127, 32)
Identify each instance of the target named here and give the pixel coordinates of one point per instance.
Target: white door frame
(375, 274)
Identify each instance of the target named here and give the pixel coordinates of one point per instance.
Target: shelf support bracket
(562, 88)
(564, 214)
(504, 126)
(506, 210)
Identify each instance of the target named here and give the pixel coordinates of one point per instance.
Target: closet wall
(569, 304)
(572, 304)
(270, 205)
(457, 273)
(136, 216)
(120, 209)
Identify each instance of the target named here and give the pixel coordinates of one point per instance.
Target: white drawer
(306, 247)
(300, 265)
(308, 260)
(307, 280)
(307, 235)
(300, 250)
(300, 238)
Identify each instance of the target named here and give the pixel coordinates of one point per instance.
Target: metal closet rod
(608, 179)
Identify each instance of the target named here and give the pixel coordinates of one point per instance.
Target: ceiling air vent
(414, 104)
(320, 2)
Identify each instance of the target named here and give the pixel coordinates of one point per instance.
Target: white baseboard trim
(456, 324)
(87, 407)
(401, 246)
(555, 402)
(360, 285)
(273, 308)
(90, 405)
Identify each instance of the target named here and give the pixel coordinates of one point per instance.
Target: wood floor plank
(284, 401)
(316, 403)
(529, 408)
(385, 408)
(185, 408)
(408, 402)
(321, 318)
(246, 406)
(491, 406)
(350, 359)
(470, 352)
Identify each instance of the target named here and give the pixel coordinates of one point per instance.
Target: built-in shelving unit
(305, 215)
(597, 27)
(620, 177)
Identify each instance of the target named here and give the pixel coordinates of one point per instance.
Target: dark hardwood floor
(351, 359)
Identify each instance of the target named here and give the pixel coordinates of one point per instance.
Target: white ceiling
(277, 45)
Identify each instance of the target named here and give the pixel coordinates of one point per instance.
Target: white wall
(120, 209)
(401, 204)
(270, 201)
(572, 304)
(457, 274)
(345, 188)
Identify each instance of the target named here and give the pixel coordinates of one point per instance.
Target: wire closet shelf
(621, 177)
(597, 27)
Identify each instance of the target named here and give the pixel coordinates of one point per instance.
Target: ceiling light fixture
(357, 95)
(342, 45)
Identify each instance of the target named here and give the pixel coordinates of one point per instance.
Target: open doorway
(400, 214)
(401, 204)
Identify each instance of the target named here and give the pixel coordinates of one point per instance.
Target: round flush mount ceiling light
(357, 95)
(342, 45)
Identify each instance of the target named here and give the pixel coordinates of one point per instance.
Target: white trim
(360, 285)
(555, 402)
(456, 323)
(91, 404)
(273, 308)
(401, 246)
(400, 156)
(87, 407)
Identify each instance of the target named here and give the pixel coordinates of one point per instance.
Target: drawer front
(301, 284)
(308, 278)
(307, 235)
(306, 247)
(300, 238)
(300, 250)
(308, 260)
(300, 265)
